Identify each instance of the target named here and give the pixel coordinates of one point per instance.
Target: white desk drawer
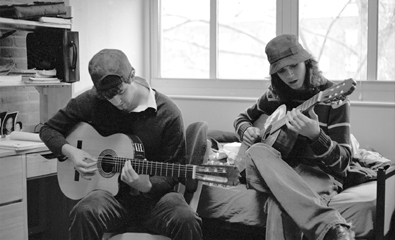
(37, 165)
(12, 224)
(11, 179)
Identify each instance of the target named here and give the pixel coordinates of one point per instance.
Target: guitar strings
(139, 164)
(172, 169)
(277, 125)
(121, 160)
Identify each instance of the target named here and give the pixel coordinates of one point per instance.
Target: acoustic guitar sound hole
(107, 163)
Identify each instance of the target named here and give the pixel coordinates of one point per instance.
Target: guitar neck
(304, 108)
(153, 168)
(307, 105)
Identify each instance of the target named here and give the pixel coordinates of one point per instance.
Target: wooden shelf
(9, 23)
(23, 84)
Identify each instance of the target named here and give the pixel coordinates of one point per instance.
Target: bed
(239, 211)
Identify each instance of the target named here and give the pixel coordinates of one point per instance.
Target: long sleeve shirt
(331, 151)
(161, 131)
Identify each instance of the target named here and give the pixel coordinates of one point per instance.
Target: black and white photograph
(9, 121)
(197, 119)
(2, 117)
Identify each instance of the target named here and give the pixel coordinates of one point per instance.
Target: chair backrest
(197, 151)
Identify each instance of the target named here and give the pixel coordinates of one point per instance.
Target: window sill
(247, 90)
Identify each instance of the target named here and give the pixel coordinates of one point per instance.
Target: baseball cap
(285, 50)
(109, 62)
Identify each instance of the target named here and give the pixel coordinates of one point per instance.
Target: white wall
(107, 24)
(372, 124)
(124, 24)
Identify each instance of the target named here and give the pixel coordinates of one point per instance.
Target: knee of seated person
(263, 153)
(182, 212)
(91, 203)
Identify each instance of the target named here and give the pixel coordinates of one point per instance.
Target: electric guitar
(113, 151)
(273, 128)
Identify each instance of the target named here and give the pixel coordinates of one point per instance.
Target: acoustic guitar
(113, 151)
(273, 130)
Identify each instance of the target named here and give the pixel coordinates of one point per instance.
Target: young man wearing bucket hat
(304, 182)
(121, 102)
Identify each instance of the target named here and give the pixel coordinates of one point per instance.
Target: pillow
(222, 136)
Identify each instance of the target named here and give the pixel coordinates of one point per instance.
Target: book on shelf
(22, 72)
(42, 80)
(57, 20)
(22, 141)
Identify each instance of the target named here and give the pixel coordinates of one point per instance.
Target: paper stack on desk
(22, 141)
(44, 76)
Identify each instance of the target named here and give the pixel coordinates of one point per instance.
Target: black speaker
(58, 49)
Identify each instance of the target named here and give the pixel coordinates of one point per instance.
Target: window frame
(286, 22)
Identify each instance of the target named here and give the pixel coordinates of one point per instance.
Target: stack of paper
(44, 76)
(43, 80)
(22, 141)
(58, 20)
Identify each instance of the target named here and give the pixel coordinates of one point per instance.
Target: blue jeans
(299, 197)
(101, 212)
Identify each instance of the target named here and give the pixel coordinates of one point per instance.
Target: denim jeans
(299, 197)
(101, 212)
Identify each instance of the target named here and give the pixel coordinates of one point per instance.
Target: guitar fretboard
(148, 167)
(304, 107)
(330, 94)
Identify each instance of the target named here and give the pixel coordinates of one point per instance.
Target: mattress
(235, 204)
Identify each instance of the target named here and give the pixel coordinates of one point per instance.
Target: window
(337, 35)
(244, 29)
(229, 44)
(386, 40)
(185, 38)
(226, 39)
(342, 37)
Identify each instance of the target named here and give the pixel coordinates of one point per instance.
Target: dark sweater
(161, 131)
(331, 151)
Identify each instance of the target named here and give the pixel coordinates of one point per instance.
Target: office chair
(197, 150)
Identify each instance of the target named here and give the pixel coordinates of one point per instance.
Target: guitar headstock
(337, 92)
(220, 174)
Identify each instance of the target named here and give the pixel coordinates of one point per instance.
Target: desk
(17, 172)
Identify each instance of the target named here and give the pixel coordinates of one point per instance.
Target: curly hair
(312, 82)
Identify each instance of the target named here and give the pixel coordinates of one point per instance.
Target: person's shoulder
(85, 100)
(87, 94)
(270, 96)
(165, 102)
(162, 98)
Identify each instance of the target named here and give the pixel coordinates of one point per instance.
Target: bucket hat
(285, 50)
